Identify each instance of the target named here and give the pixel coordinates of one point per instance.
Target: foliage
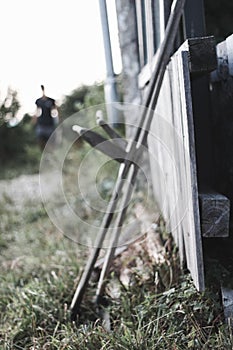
(83, 97)
(8, 111)
(19, 152)
(17, 139)
(9, 107)
(39, 270)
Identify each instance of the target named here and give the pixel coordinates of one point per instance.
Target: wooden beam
(141, 38)
(202, 54)
(202, 58)
(149, 30)
(215, 214)
(194, 19)
(100, 143)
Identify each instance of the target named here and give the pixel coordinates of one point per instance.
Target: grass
(38, 273)
(159, 309)
(27, 163)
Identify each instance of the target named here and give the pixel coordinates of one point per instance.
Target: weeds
(159, 309)
(37, 286)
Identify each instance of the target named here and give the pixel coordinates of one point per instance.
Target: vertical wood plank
(141, 43)
(174, 146)
(193, 237)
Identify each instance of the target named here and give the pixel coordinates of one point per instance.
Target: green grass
(160, 309)
(27, 163)
(39, 268)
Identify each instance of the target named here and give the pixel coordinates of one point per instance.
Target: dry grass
(155, 307)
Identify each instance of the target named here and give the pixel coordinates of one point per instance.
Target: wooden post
(222, 107)
(194, 26)
(194, 19)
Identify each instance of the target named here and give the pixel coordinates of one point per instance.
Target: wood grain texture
(202, 54)
(173, 162)
(222, 123)
(202, 58)
(215, 214)
(227, 300)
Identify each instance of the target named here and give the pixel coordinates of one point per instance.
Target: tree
(83, 97)
(15, 136)
(8, 112)
(9, 108)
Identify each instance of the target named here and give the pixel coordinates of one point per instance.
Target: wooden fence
(189, 202)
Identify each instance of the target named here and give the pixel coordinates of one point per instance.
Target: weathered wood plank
(178, 152)
(202, 58)
(227, 300)
(222, 123)
(102, 144)
(201, 62)
(229, 46)
(202, 54)
(173, 163)
(215, 214)
(192, 233)
(141, 36)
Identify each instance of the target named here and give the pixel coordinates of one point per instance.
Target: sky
(57, 43)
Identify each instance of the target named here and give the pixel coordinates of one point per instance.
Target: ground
(151, 303)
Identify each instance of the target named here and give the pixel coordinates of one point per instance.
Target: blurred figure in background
(46, 118)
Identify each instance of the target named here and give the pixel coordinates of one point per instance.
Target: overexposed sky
(57, 43)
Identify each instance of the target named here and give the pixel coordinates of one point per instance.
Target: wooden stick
(134, 154)
(142, 131)
(118, 225)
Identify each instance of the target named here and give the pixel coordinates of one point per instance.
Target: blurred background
(59, 45)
